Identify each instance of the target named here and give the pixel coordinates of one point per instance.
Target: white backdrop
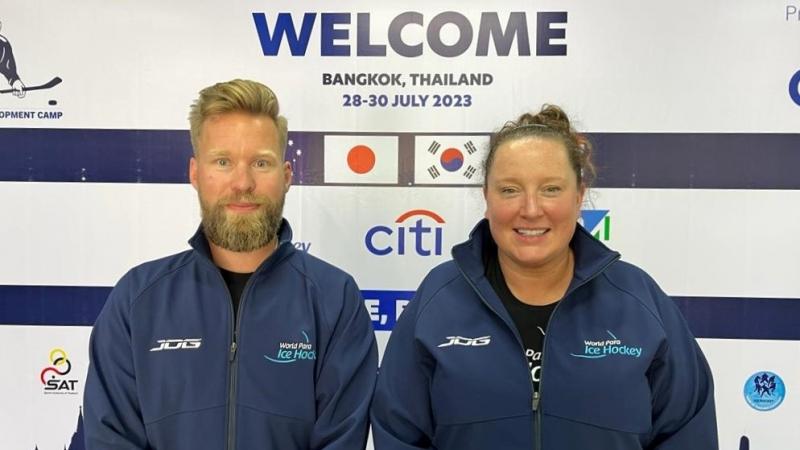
(102, 187)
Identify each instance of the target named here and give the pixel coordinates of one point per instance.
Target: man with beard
(242, 341)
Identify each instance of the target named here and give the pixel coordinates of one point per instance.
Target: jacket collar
(591, 255)
(199, 242)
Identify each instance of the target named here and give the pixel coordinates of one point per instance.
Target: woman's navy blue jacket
(620, 368)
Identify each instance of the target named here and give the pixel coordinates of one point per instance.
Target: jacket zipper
(536, 397)
(230, 441)
(537, 416)
(230, 438)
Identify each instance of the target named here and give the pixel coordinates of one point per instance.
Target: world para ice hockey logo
(293, 351)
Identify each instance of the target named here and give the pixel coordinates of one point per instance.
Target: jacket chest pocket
(602, 386)
(479, 382)
(181, 375)
(278, 377)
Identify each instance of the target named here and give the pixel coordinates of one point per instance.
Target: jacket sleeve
(684, 416)
(346, 380)
(401, 409)
(8, 66)
(112, 417)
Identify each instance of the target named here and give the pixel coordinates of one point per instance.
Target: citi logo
(466, 342)
(423, 240)
(177, 344)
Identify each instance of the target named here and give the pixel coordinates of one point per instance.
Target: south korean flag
(449, 159)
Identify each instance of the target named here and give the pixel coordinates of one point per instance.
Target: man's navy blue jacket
(620, 368)
(172, 369)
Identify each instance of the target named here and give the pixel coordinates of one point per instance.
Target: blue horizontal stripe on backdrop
(708, 317)
(51, 305)
(624, 160)
(98, 156)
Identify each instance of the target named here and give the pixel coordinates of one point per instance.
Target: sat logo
(422, 236)
(53, 378)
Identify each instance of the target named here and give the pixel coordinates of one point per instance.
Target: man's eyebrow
(266, 152)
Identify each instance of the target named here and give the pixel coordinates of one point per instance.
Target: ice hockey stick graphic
(52, 83)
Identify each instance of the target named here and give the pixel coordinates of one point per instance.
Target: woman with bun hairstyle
(535, 335)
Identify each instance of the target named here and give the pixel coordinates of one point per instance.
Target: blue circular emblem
(794, 88)
(764, 391)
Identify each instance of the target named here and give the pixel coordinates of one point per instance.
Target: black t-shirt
(236, 282)
(531, 320)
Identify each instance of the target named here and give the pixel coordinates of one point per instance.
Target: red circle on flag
(361, 159)
(452, 159)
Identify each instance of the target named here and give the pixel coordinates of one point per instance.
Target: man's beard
(242, 232)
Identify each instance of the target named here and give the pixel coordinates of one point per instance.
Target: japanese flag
(449, 159)
(361, 159)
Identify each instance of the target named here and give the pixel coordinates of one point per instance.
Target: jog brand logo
(794, 88)
(292, 351)
(335, 34)
(177, 344)
(601, 348)
(466, 342)
(383, 240)
(385, 307)
(54, 379)
(597, 222)
(764, 391)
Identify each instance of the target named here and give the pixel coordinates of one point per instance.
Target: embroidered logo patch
(612, 346)
(293, 351)
(466, 342)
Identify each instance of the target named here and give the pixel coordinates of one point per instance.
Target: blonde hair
(232, 96)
